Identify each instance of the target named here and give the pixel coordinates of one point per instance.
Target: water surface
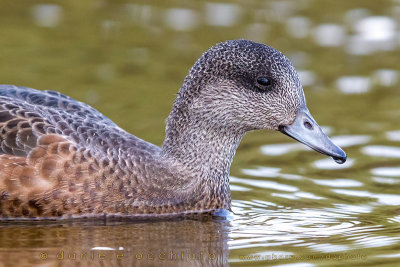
(291, 206)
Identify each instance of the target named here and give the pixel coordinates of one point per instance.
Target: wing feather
(59, 156)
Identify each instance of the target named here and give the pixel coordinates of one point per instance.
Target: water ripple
(353, 84)
(47, 15)
(382, 199)
(352, 209)
(338, 182)
(376, 241)
(386, 171)
(328, 247)
(329, 164)
(395, 255)
(375, 33)
(384, 180)
(275, 226)
(350, 140)
(341, 140)
(393, 135)
(262, 172)
(239, 188)
(381, 151)
(265, 184)
(222, 15)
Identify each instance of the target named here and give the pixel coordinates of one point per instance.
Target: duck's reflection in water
(160, 243)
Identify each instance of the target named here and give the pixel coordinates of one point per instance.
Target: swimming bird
(61, 158)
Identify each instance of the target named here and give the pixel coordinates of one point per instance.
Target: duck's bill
(305, 130)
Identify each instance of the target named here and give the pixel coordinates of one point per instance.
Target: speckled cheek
(291, 113)
(283, 112)
(290, 117)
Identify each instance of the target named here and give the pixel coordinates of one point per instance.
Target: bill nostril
(308, 125)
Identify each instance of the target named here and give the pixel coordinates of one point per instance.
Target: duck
(60, 158)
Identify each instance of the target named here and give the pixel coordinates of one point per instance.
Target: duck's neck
(203, 151)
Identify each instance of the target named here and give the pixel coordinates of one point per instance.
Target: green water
(291, 206)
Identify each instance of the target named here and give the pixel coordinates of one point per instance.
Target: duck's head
(241, 85)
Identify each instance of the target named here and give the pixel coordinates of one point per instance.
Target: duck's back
(57, 153)
(50, 112)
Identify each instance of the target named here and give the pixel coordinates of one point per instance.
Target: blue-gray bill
(306, 130)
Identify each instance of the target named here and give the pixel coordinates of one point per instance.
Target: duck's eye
(263, 81)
